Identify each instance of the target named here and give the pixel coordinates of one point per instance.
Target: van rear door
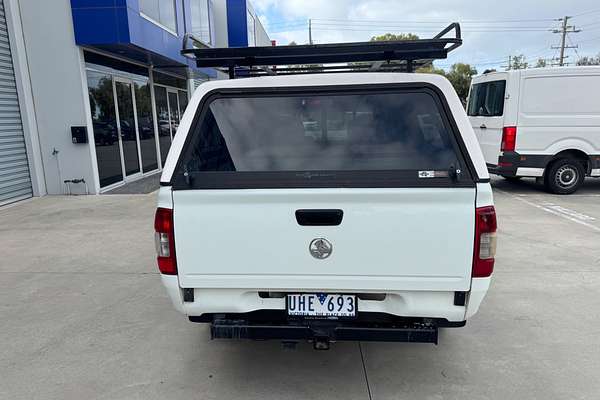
(486, 113)
(376, 177)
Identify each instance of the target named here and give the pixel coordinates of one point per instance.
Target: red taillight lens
(485, 242)
(165, 241)
(509, 138)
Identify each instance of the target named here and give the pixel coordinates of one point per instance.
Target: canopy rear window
(321, 140)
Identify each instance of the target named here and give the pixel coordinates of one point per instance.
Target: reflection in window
(183, 101)
(102, 104)
(201, 26)
(161, 11)
(145, 126)
(164, 124)
(251, 29)
(385, 131)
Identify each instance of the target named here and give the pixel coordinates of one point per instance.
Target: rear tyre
(564, 176)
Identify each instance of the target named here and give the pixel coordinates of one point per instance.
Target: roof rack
(303, 59)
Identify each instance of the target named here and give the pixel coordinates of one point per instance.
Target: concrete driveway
(84, 316)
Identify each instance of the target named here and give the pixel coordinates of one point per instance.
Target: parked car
(541, 122)
(266, 229)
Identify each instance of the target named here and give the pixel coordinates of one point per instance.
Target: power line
(574, 48)
(585, 13)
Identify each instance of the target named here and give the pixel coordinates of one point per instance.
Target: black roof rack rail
(310, 58)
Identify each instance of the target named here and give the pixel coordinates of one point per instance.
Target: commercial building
(91, 91)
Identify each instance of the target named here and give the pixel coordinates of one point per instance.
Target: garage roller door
(15, 181)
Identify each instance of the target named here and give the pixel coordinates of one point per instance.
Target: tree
(589, 60)
(518, 62)
(541, 63)
(460, 75)
(430, 69)
(388, 37)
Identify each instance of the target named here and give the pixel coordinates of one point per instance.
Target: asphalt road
(84, 316)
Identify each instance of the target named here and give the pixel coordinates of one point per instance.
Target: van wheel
(564, 176)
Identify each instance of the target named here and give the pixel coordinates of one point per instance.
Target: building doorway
(124, 134)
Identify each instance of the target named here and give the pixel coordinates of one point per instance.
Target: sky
(491, 30)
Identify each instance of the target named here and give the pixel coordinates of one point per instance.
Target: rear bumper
(513, 164)
(417, 304)
(279, 328)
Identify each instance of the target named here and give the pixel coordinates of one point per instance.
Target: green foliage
(518, 62)
(541, 63)
(460, 75)
(388, 37)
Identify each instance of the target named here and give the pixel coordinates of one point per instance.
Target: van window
(487, 99)
(335, 132)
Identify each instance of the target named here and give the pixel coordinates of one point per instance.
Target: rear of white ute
(325, 208)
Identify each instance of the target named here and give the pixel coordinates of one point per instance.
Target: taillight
(485, 242)
(509, 138)
(165, 241)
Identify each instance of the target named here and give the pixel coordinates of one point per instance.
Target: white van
(542, 123)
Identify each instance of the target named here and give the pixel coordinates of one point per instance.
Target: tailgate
(388, 239)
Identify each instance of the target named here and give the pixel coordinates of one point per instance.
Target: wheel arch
(576, 154)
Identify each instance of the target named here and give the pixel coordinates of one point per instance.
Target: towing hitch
(321, 333)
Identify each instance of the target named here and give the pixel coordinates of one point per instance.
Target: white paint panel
(389, 239)
(558, 96)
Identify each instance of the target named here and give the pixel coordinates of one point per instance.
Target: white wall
(58, 90)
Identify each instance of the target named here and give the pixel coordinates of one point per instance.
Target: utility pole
(310, 31)
(564, 29)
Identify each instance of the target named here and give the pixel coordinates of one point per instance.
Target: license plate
(321, 305)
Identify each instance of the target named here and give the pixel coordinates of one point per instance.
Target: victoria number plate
(321, 305)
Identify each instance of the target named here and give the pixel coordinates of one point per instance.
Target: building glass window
(104, 120)
(201, 25)
(251, 24)
(164, 121)
(160, 11)
(145, 125)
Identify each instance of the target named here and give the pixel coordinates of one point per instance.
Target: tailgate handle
(319, 217)
(483, 126)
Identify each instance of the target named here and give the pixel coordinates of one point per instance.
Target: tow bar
(321, 333)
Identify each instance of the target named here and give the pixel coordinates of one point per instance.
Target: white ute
(326, 207)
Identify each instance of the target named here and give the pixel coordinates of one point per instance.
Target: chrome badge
(320, 248)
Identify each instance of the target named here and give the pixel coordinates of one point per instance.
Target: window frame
(321, 179)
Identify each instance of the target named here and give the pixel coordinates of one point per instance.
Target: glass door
(104, 119)
(174, 111)
(127, 127)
